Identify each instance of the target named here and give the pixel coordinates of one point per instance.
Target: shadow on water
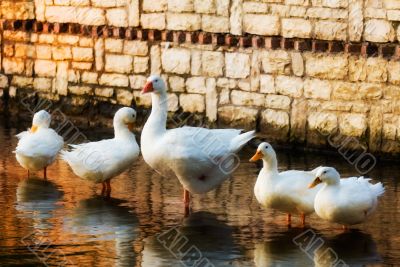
(295, 247)
(353, 248)
(200, 232)
(279, 249)
(105, 219)
(37, 199)
(232, 229)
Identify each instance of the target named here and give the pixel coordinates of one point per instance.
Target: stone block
(154, 21)
(183, 22)
(212, 63)
(141, 64)
(90, 16)
(196, 85)
(135, 48)
(192, 103)
(119, 80)
(317, 89)
(180, 5)
(217, 24)
(331, 30)
(176, 60)
(353, 124)
(327, 66)
(43, 52)
(296, 27)
(276, 62)
(117, 17)
(119, 63)
(61, 52)
(289, 86)
(237, 65)
(380, 31)
(45, 68)
(154, 5)
(261, 24)
(82, 54)
(113, 45)
(242, 98)
(277, 102)
(244, 117)
(323, 122)
(267, 84)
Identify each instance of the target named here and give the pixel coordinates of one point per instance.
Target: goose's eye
(266, 147)
(324, 172)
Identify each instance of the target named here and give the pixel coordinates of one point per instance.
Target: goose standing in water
(101, 161)
(38, 147)
(284, 191)
(196, 156)
(346, 201)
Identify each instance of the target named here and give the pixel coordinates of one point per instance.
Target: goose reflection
(105, 219)
(353, 248)
(37, 199)
(280, 249)
(212, 238)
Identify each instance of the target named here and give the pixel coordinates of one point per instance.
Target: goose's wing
(97, 156)
(196, 150)
(22, 134)
(355, 192)
(201, 142)
(295, 183)
(105, 158)
(198, 144)
(45, 142)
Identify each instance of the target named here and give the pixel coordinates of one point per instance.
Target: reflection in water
(104, 219)
(234, 231)
(213, 237)
(280, 250)
(352, 248)
(37, 199)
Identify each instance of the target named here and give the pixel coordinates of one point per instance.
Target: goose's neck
(122, 132)
(271, 165)
(159, 112)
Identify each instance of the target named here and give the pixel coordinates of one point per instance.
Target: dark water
(63, 222)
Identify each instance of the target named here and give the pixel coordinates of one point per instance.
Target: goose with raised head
(103, 160)
(199, 157)
(346, 201)
(38, 147)
(284, 191)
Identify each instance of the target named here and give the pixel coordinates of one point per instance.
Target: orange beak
(259, 155)
(316, 182)
(130, 126)
(33, 129)
(148, 88)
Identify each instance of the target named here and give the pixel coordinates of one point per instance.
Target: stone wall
(296, 70)
(345, 20)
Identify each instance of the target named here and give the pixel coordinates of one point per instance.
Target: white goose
(101, 161)
(346, 201)
(198, 157)
(38, 147)
(285, 191)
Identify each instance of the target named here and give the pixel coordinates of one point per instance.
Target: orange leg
(186, 199)
(108, 188)
(45, 173)
(103, 188)
(303, 219)
(289, 219)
